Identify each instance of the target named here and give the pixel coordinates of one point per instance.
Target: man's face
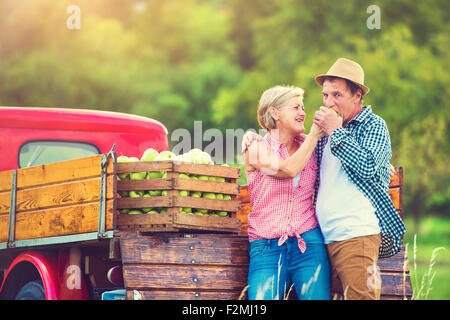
(338, 97)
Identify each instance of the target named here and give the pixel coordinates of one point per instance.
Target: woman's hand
(328, 120)
(248, 138)
(317, 131)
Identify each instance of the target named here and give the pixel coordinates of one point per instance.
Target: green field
(434, 232)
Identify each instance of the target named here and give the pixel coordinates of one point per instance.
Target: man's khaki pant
(354, 271)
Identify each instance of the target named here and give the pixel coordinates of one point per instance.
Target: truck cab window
(35, 153)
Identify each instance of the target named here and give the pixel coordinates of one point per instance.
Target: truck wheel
(33, 290)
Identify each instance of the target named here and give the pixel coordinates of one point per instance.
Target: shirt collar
(276, 145)
(360, 117)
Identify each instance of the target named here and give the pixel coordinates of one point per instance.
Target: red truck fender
(27, 267)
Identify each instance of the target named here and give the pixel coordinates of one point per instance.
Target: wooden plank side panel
(185, 294)
(57, 172)
(169, 276)
(394, 193)
(174, 249)
(57, 195)
(206, 186)
(208, 170)
(395, 285)
(211, 223)
(58, 221)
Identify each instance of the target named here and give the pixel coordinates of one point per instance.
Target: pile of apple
(193, 156)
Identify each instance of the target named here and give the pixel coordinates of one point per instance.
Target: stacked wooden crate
(179, 202)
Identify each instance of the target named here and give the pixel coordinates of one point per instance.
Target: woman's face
(292, 116)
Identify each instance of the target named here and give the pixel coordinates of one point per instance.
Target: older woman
(286, 245)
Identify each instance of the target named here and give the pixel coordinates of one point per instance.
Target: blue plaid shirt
(364, 147)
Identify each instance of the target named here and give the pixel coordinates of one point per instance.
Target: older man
(357, 218)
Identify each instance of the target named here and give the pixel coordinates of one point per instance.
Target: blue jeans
(273, 269)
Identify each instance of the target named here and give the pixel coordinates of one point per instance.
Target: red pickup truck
(64, 263)
(35, 136)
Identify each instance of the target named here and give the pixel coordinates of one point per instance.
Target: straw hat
(346, 69)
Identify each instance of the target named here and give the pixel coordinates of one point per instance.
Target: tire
(33, 290)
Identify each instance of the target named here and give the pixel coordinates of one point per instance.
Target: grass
(429, 259)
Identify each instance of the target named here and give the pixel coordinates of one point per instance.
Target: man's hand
(327, 120)
(247, 140)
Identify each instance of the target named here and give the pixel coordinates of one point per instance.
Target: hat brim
(321, 77)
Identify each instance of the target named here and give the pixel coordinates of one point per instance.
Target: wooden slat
(206, 186)
(395, 263)
(208, 170)
(140, 166)
(57, 221)
(190, 168)
(146, 202)
(189, 221)
(146, 184)
(57, 172)
(395, 284)
(57, 195)
(394, 193)
(185, 295)
(210, 204)
(169, 276)
(173, 249)
(146, 222)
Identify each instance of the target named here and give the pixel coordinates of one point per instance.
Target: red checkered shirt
(279, 210)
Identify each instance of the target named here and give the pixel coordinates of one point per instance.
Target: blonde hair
(276, 97)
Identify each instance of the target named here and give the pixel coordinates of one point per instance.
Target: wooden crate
(173, 219)
(176, 266)
(57, 199)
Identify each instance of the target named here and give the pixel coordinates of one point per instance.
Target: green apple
(184, 176)
(219, 196)
(204, 178)
(209, 195)
(196, 194)
(152, 212)
(206, 158)
(164, 193)
(154, 193)
(164, 210)
(212, 178)
(331, 110)
(136, 194)
(135, 211)
(220, 179)
(149, 154)
(222, 213)
(124, 210)
(154, 174)
(164, 156)
(184, 193)
(226, 197)
(196, 155)
(146, 209)
(136, 175)
(123, 176)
